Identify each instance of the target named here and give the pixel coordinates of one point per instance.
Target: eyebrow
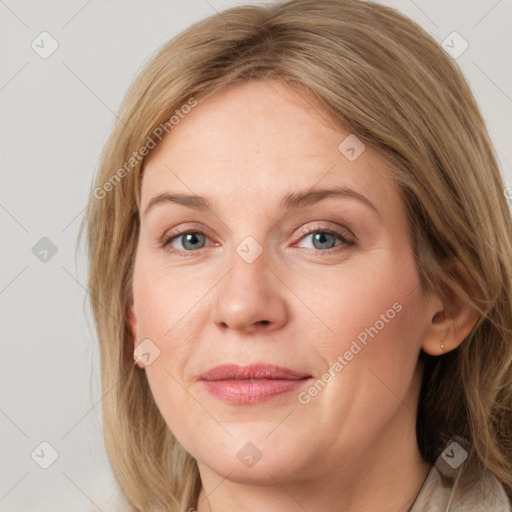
(293, 200)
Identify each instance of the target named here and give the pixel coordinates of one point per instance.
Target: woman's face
(275, 273)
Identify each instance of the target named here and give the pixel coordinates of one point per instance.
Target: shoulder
(441, 492)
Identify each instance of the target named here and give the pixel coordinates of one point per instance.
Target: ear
(451, 320)
(132, 322)
(132, 319)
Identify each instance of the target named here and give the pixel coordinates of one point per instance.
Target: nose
(250, 298)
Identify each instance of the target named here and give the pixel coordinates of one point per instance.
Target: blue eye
(189, 240)
(323, 239)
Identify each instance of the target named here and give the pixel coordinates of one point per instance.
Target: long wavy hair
(383, 78)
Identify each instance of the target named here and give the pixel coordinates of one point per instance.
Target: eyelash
(342, 235)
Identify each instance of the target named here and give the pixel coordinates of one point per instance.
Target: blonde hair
(386, 80)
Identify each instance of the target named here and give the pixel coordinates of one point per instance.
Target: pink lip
(250, 384)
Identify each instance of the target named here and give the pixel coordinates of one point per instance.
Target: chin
(255, 457)
(264, 471)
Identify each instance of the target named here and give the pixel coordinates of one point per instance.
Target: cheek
(165, 301)
(375, 326)
(363, 306)
(168, 314)
(181, 412)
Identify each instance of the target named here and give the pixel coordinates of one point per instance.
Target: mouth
(251, 384)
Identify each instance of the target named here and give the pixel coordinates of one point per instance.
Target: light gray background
(55, 116)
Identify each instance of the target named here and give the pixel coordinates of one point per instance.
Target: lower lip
(251, 392)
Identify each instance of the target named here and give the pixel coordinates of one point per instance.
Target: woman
(341, 337)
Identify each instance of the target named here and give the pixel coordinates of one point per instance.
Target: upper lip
(253, 371)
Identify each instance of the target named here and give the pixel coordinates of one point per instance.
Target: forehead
(258, 141)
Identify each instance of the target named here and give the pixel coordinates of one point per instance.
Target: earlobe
(448, 333)
(450, 325)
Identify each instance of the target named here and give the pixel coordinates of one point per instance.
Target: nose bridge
(250, 262)
(248, 295)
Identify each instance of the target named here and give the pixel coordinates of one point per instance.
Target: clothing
(438, 493)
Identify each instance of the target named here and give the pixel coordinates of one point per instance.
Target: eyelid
(339, 230)
(189, 227)
(346, 237)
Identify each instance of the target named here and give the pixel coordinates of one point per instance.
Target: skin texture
(296, 305)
